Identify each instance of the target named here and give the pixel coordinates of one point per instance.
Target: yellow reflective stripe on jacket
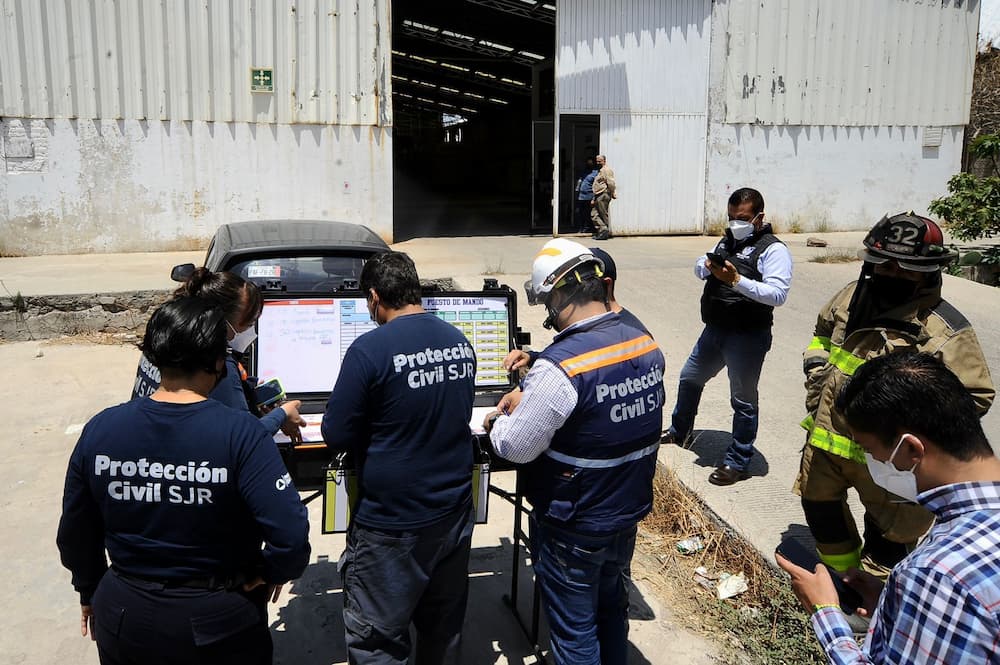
(845, 361)
(608, 355)
(819, 344)
(835, 444)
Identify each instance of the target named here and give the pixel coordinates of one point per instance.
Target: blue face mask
(888, 477)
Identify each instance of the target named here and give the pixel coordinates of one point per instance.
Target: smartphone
(269, 393)
(806, 558)
(716, 259)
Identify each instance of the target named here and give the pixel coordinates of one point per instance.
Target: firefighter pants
(892, 526)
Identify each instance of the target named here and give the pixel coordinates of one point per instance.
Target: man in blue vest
(746, 277)
(586, 427)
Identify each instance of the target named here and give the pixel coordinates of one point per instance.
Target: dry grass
(834, 255)
(763, 625)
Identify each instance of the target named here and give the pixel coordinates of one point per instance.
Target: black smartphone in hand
(717, 259)
(803, 557)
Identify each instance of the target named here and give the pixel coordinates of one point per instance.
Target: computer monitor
(302, 341)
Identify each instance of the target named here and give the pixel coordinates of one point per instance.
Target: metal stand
(520, 536)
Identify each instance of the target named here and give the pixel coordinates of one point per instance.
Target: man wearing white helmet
(587, 428)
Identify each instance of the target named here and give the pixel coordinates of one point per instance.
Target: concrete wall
(75, 186)
(820, 177)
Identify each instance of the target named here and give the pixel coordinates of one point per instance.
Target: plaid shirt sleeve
(837, 638)
(923, 616)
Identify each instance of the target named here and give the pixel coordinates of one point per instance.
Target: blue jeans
(582, 581)
(742, 353)
(393, 578)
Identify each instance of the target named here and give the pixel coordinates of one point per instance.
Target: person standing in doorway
(585, 195)
(746, 277)
(605, 189)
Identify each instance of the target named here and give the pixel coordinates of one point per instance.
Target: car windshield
(302, 273)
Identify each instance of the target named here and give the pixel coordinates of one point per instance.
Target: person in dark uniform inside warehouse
(402, 405)
(199, 516)
(587, 428)
(242, 302)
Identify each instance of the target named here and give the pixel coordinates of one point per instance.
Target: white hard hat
(557, 258)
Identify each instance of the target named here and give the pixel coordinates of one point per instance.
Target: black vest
(723, 306)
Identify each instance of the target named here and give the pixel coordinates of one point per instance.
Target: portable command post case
(302, 339)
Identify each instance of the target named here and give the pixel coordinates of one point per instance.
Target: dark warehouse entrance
(473, 99)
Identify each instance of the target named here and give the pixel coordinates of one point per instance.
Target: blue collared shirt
(941, 604)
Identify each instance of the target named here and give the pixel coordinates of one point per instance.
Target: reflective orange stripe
(243, 372)
(608, 355)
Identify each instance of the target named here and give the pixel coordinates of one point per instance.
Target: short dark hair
(185, 335)
(590, 288)
(235, 295)
(394, 278)
(744, 194)
(916, 393)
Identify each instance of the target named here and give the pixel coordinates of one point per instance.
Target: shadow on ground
(309, 630)
(710, 447)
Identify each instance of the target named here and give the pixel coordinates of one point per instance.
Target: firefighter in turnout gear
(895, 305)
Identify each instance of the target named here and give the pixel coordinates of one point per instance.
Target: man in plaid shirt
(923, 443)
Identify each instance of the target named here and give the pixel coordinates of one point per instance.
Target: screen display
(302, 341)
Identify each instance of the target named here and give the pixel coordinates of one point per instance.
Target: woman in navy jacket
(191, 502)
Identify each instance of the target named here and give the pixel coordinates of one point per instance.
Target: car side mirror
(182, 272)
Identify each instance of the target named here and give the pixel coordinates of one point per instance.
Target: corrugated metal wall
(191, 60)
(642, 65)
(633, 55)
(850, 62)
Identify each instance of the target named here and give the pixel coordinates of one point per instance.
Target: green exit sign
(261, 80)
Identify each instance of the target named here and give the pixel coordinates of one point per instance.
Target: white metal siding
(633, 55)
(659, 163)
(642, 65)
(850, 62)
(191, 60)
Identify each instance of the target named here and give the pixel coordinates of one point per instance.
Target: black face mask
(893, 290)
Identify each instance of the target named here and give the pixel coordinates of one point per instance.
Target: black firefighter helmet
(914, 242)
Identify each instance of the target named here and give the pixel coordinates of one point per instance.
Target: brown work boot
(727, 475)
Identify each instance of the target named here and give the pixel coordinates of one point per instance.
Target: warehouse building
(144, 124)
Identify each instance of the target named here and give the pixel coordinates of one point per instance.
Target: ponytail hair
(185, 335)
(239, 299)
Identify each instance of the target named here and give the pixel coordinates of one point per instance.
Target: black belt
(214, 583)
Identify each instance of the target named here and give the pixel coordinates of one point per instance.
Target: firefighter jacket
(926, 323)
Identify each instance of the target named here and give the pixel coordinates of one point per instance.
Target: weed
(765, 624)
(834, 255)
(795, 226)
(822, 225)
(716, 227)
(494, 268)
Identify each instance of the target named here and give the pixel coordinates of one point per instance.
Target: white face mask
(241, 341)
(888, 477)
(741, 228)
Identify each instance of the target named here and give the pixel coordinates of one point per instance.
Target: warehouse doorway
(471, 81)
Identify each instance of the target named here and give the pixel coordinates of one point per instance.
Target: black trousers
(143, 623)
(395, 578)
